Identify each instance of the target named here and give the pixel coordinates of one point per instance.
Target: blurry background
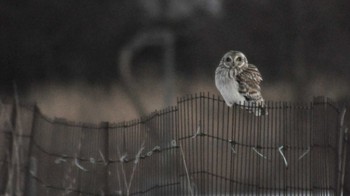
(94, 60)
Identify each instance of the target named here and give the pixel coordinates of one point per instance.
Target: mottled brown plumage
(249, 83)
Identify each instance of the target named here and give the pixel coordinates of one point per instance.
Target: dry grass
(127, 182)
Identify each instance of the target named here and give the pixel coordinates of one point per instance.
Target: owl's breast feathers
(249, 83)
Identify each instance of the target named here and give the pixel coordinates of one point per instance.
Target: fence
(199, 147)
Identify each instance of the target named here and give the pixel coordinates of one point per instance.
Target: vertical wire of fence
(198, 147)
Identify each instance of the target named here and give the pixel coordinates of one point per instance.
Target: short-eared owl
(239, 82)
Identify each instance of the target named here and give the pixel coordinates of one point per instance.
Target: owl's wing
(249, 83)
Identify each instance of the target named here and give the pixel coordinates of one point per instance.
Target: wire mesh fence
(198, 147)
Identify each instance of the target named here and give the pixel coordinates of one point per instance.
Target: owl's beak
(234, 71)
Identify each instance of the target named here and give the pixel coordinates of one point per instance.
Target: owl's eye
(239, 59)
(228, 59)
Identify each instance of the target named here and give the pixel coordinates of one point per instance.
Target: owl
(239, 82)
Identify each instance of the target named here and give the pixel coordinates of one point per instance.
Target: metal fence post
(105, 127)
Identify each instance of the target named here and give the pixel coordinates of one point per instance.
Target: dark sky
(64, 40)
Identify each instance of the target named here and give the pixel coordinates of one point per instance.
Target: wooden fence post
(342, 152)
(319, 169)
(30, 188)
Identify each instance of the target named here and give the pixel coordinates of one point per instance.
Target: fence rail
(200, 147)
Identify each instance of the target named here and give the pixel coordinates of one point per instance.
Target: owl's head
(234, 59)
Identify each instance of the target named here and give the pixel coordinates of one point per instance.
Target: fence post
(105, 127)
(346, 177)
(318, 141)
(342, 148)
(10, 137)
(29, 184)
